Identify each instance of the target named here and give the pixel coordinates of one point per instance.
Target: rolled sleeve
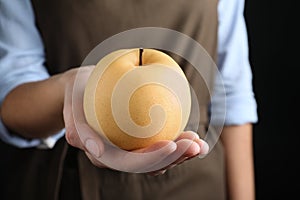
(21, 61)
(234, 66)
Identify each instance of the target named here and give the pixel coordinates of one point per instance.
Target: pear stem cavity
(141, 57)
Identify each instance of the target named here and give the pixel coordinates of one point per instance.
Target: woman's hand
(155, 159)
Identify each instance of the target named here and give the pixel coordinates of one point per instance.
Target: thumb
(91, 141)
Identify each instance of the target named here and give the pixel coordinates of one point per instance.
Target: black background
(273, 55)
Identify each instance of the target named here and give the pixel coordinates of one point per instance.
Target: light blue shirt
(22, 56)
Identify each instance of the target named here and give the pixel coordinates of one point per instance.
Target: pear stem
(141, 57)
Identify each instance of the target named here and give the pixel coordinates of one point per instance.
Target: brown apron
(70, 30)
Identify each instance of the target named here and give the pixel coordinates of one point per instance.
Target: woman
(68, 31)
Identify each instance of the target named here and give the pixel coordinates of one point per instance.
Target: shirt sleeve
(234, 66)
(21, 60)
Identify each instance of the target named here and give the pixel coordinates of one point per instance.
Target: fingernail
(204, 148)
(92, 147)
(197, 136)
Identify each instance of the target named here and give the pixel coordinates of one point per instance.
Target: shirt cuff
(12, 139)
(45, 143)
(13, 80)
(239, 109)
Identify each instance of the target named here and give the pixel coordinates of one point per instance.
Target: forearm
(35, 109)
(238, 148)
